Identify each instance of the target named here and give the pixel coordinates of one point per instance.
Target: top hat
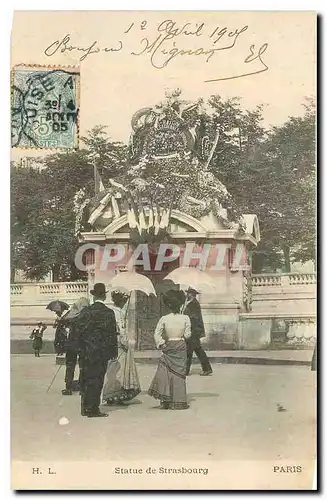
(192, 290)
(99, 289)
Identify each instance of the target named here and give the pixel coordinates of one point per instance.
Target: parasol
(76, 308)
(57, 306)
(192, 277)
(130, 281)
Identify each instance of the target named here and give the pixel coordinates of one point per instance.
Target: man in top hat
(98, 344)
(192, 309)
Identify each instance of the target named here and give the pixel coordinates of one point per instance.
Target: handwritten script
(172, 42)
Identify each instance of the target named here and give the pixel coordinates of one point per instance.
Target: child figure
(37, 337)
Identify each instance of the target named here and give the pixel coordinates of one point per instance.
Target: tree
(27, 199)
(43, 219)
(236, 161)
(269, 173)
(287, 214)
(110, 157)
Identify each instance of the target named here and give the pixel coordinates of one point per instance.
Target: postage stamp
(44, 107)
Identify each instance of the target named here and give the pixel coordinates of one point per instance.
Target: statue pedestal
(228, 265)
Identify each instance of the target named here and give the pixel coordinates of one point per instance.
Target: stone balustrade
(291, 298)
(284, 293)
(16, 290)
(266, 280)
(302, 279)
(32, 293)
(75, 289)
(271, 294)
(285, 279)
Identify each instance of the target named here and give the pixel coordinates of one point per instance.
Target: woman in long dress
(122, 381)
(169, 383)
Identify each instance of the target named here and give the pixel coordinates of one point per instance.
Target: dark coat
(60, 337)
(193, 310)
(97, 329)
(73, 339)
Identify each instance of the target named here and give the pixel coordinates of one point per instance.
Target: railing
(50, 288)
(39, 291)
(303, 279)
(285, 279)
(76, 287)
(16, 289)
(266, 280)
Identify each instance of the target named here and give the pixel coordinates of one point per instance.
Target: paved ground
(233, 415)
(267, 356)
(264, 356)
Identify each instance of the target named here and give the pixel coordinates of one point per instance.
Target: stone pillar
(254, 333)
(221, 306)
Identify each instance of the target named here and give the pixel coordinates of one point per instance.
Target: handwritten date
(170, 43)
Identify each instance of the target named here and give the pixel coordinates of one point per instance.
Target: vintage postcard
(163, 250)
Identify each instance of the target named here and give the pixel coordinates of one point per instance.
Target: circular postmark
(44, 110)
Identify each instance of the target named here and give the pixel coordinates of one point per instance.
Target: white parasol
(192, 277)
(129, 281)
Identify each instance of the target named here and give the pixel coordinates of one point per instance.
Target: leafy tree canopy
(268, 172)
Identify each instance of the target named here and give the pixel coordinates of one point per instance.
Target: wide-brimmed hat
(119, 298)
(174, 298)
(117, 294)
(99, 289)
(192, 290)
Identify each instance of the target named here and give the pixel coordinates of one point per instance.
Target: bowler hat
(98, 289)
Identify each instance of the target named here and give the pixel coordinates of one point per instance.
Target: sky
(130, 74)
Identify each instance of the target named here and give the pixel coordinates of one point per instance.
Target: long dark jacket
(60, 337)
(69, 320)
(72, 341)
(97, 329)
(193, 310)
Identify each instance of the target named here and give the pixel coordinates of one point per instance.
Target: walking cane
(54, 378)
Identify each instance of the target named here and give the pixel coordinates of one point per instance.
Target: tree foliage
(43, 220)
(272, 174)
(268, 172)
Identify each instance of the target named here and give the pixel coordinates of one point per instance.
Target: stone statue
(170, 149)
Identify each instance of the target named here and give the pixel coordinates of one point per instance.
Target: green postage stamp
(44, 107)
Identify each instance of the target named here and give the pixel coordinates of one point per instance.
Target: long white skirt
(121, 381)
